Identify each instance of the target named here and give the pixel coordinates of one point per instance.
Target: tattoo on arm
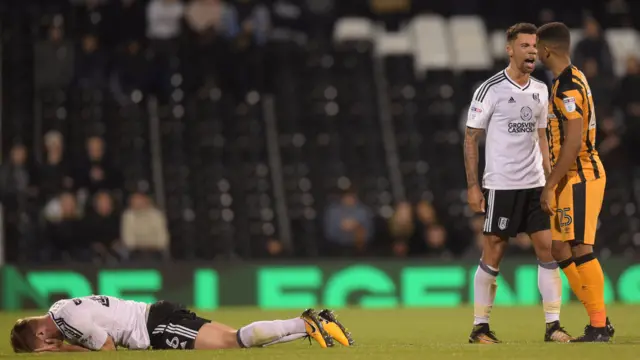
(471, 137)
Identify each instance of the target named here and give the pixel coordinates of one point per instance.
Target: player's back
(571, 95)
(124, 320)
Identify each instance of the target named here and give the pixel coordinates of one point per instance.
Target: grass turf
(406, 334)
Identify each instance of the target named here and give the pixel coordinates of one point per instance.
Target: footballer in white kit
(511, 109)
(105, 323)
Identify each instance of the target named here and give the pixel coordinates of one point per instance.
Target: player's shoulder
(539, 85)
(570, 79)
(489, 84)
(62, 307)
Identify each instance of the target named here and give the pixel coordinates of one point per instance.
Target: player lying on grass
(105, 323)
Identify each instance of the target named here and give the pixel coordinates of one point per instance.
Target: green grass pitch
(406, 334)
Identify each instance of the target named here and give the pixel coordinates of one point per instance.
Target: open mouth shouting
(530, 63)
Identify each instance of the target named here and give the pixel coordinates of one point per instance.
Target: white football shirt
(87, 321)
(511, 116)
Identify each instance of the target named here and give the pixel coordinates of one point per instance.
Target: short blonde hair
(23, 338)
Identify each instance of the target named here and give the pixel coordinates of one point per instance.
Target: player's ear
(509, 49)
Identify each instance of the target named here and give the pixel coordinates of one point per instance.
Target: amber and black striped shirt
(571, 96)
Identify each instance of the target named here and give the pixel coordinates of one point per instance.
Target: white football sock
(550, 286)
(287, 338)
(484, 292)
(266, 332)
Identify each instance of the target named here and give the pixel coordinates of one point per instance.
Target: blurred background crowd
(206, 129)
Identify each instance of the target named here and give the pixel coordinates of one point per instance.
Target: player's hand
(349, 224)
(475, 199)
(52, 345)
(546, 201)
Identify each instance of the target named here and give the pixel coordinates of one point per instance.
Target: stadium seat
(469, 44)
(353, 29)
(623, 43)
(433, 51)
(576, 36)
(498, 42)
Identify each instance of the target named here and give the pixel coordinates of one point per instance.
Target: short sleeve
(77, 327)
(481, 108)
(570, 103)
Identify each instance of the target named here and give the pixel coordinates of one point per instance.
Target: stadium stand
(244, 136)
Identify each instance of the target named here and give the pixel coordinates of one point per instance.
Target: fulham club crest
(503, 222)
(536, 97)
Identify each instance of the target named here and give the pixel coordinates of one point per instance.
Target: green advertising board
(376, 284)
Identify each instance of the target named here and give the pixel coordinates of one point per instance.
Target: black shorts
(510, 212)
(173, 326)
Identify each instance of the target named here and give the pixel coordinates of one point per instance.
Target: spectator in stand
(348, 226)
(91, 64)
(131, 70)
(593, 46)
(474, 250)
(436, 241)
(144, 230)
(601, 87)
(204, 18)
(164, 27)
(247, 26)
(97, 172)
(273, 249)
(16, 190)
(54, 61)
(424, 240)
(628, 100)
(104, 223)
(16, 179)
(66, 232)
(91, 17)
(164, 24)
(54, 175)
(130, 17)
(401, 229)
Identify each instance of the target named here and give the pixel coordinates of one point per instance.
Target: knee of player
(560, 250)
(495, 244)
(543, 249)
(215, 338)
(580, 250)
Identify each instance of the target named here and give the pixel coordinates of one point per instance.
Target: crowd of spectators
(78, 208)
(129, 45)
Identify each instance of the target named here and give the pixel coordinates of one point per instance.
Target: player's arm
(108, 345)
(543, 142)
(570, 103)
(83, 334)
(471, 154)
(477, 120)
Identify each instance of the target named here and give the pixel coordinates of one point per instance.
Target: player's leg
(172, 326)
(588, 197)
(550, 287)
(538, 225)
(263, 333)
(562, 228)
(496, 233)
